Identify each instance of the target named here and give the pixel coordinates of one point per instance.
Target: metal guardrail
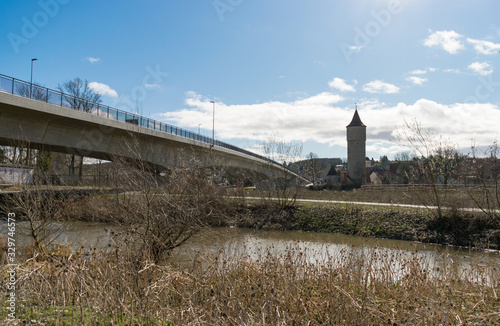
(36, 92)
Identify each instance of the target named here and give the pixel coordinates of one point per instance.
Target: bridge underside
(34, 124)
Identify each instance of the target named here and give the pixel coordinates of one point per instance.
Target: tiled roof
(356, 121)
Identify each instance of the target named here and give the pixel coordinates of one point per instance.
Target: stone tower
(356, 151)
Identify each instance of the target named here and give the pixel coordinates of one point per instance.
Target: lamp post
(31, 82)
(213, 124)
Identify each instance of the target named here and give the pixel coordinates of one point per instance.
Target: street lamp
(199, 125)
(213, 124)
(31, 83)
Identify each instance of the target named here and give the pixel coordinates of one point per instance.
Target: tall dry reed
(350, 287)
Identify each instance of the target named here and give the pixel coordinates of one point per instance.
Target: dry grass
(350, 287)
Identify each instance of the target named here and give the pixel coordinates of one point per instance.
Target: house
(378, 175)
(15, 175)
(332, 177)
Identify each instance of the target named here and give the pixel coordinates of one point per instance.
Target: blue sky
(277, 67)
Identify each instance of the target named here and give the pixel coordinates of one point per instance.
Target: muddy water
(308, 248)
(322, 249)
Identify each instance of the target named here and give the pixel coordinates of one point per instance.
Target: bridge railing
(40, 93)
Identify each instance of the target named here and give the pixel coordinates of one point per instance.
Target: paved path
(379, 204)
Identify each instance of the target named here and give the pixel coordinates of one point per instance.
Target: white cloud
(103, 89)
(481, 68)
(324, 121)
(324, 98)
(451, 42)
(93, 60)
(341, 85)
(301, 119)
(464, 117)
(448, 40)
(455, 71)
(378, 86)
(484, 47)
(416, 80)
(422, 71)
(418, 72)
(152, 86)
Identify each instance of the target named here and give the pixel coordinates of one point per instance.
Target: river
(310, 248)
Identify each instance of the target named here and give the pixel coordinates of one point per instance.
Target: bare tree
(3, 155)
(404, 156)
(19, 153)
(283, 186)
(167, 206)
(312, 167)
(483, 170)
(39, 205)
(37, 93)
(436, 164)
(82, 98)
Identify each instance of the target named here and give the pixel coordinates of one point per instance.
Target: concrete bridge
(42, 118)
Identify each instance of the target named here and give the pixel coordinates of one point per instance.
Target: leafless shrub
(435, 164)
(282, 187)
(483, 173)
(164, 208)
(40, 207)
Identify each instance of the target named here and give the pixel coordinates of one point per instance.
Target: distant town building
(356, 151)
(332, 177)
(15, 175)
(378, 175)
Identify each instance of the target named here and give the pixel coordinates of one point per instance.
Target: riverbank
(124, 285)
(267, 287)
(454, 228)
(472, 229)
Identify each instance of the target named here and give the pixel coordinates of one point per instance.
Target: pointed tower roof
(332, 171)
(356, 120)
